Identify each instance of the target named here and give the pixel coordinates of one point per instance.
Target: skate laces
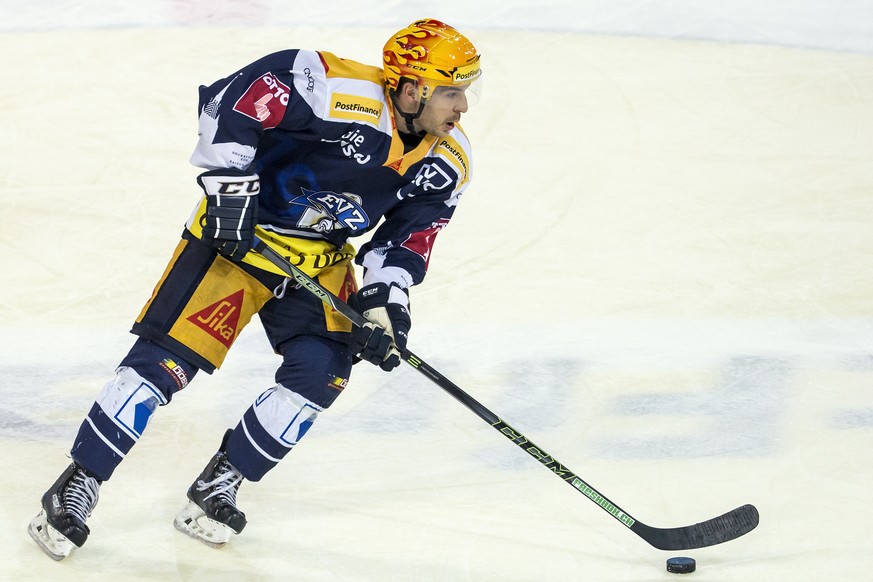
(81, 495)
(227, 481)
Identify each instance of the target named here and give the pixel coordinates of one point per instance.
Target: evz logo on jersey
(326, 211)
(265, 100)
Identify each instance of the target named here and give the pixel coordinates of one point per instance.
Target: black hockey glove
(380, 341)
(231, 210)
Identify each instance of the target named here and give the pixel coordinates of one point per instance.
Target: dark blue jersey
(320, 132)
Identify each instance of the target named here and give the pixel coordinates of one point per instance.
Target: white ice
(661, 275)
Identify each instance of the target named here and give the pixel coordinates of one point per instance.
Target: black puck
(681, 565)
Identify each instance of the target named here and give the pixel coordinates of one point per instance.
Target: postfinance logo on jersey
(356, 108)
(452, 151)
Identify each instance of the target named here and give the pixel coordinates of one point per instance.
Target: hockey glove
(231, 210)
(380, 341)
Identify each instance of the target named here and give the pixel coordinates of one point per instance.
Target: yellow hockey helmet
(431, 53)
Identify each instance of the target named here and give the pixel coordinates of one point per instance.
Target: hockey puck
(681, 565)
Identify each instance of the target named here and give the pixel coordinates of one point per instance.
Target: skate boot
(60, 527)
(211, 515)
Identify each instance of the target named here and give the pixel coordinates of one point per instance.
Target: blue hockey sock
(115, 422)
(268, 430)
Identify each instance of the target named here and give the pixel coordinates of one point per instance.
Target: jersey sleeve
(399, 251)
(235, 112)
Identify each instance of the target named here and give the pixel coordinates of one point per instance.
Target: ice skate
(211, 515)
(60, 527)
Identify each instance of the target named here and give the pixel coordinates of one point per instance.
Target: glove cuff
(380, 295)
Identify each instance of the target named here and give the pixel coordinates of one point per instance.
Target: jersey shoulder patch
(455, 149)
(265, 100)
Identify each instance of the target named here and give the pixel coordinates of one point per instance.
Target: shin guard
(269, 429)
(115, 422)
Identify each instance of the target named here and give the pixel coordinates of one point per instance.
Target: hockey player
(304, 150)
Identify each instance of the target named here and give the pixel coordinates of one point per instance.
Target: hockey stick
(723, 528)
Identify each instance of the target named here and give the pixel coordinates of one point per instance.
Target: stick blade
(717, 530)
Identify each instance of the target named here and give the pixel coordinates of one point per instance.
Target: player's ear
(408, 91)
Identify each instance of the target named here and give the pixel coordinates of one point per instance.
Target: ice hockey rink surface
(661, 275)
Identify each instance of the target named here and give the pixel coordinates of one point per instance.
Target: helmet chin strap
(409, 117)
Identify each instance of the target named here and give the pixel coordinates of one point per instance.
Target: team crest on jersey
(325, 211)
(265, 100)
(221, 319)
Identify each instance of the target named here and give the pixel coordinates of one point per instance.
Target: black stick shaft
(714, 531)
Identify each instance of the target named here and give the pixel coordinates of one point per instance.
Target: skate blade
(49, 540)
(192, 522)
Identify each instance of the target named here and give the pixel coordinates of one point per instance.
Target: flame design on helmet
(432, 53)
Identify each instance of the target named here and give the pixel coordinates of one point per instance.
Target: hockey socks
(115, 422)
(269, 429)
(147, 377)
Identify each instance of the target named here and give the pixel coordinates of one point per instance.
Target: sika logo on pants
(221, 319)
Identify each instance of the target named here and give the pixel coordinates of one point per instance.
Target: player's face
(443, 110)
